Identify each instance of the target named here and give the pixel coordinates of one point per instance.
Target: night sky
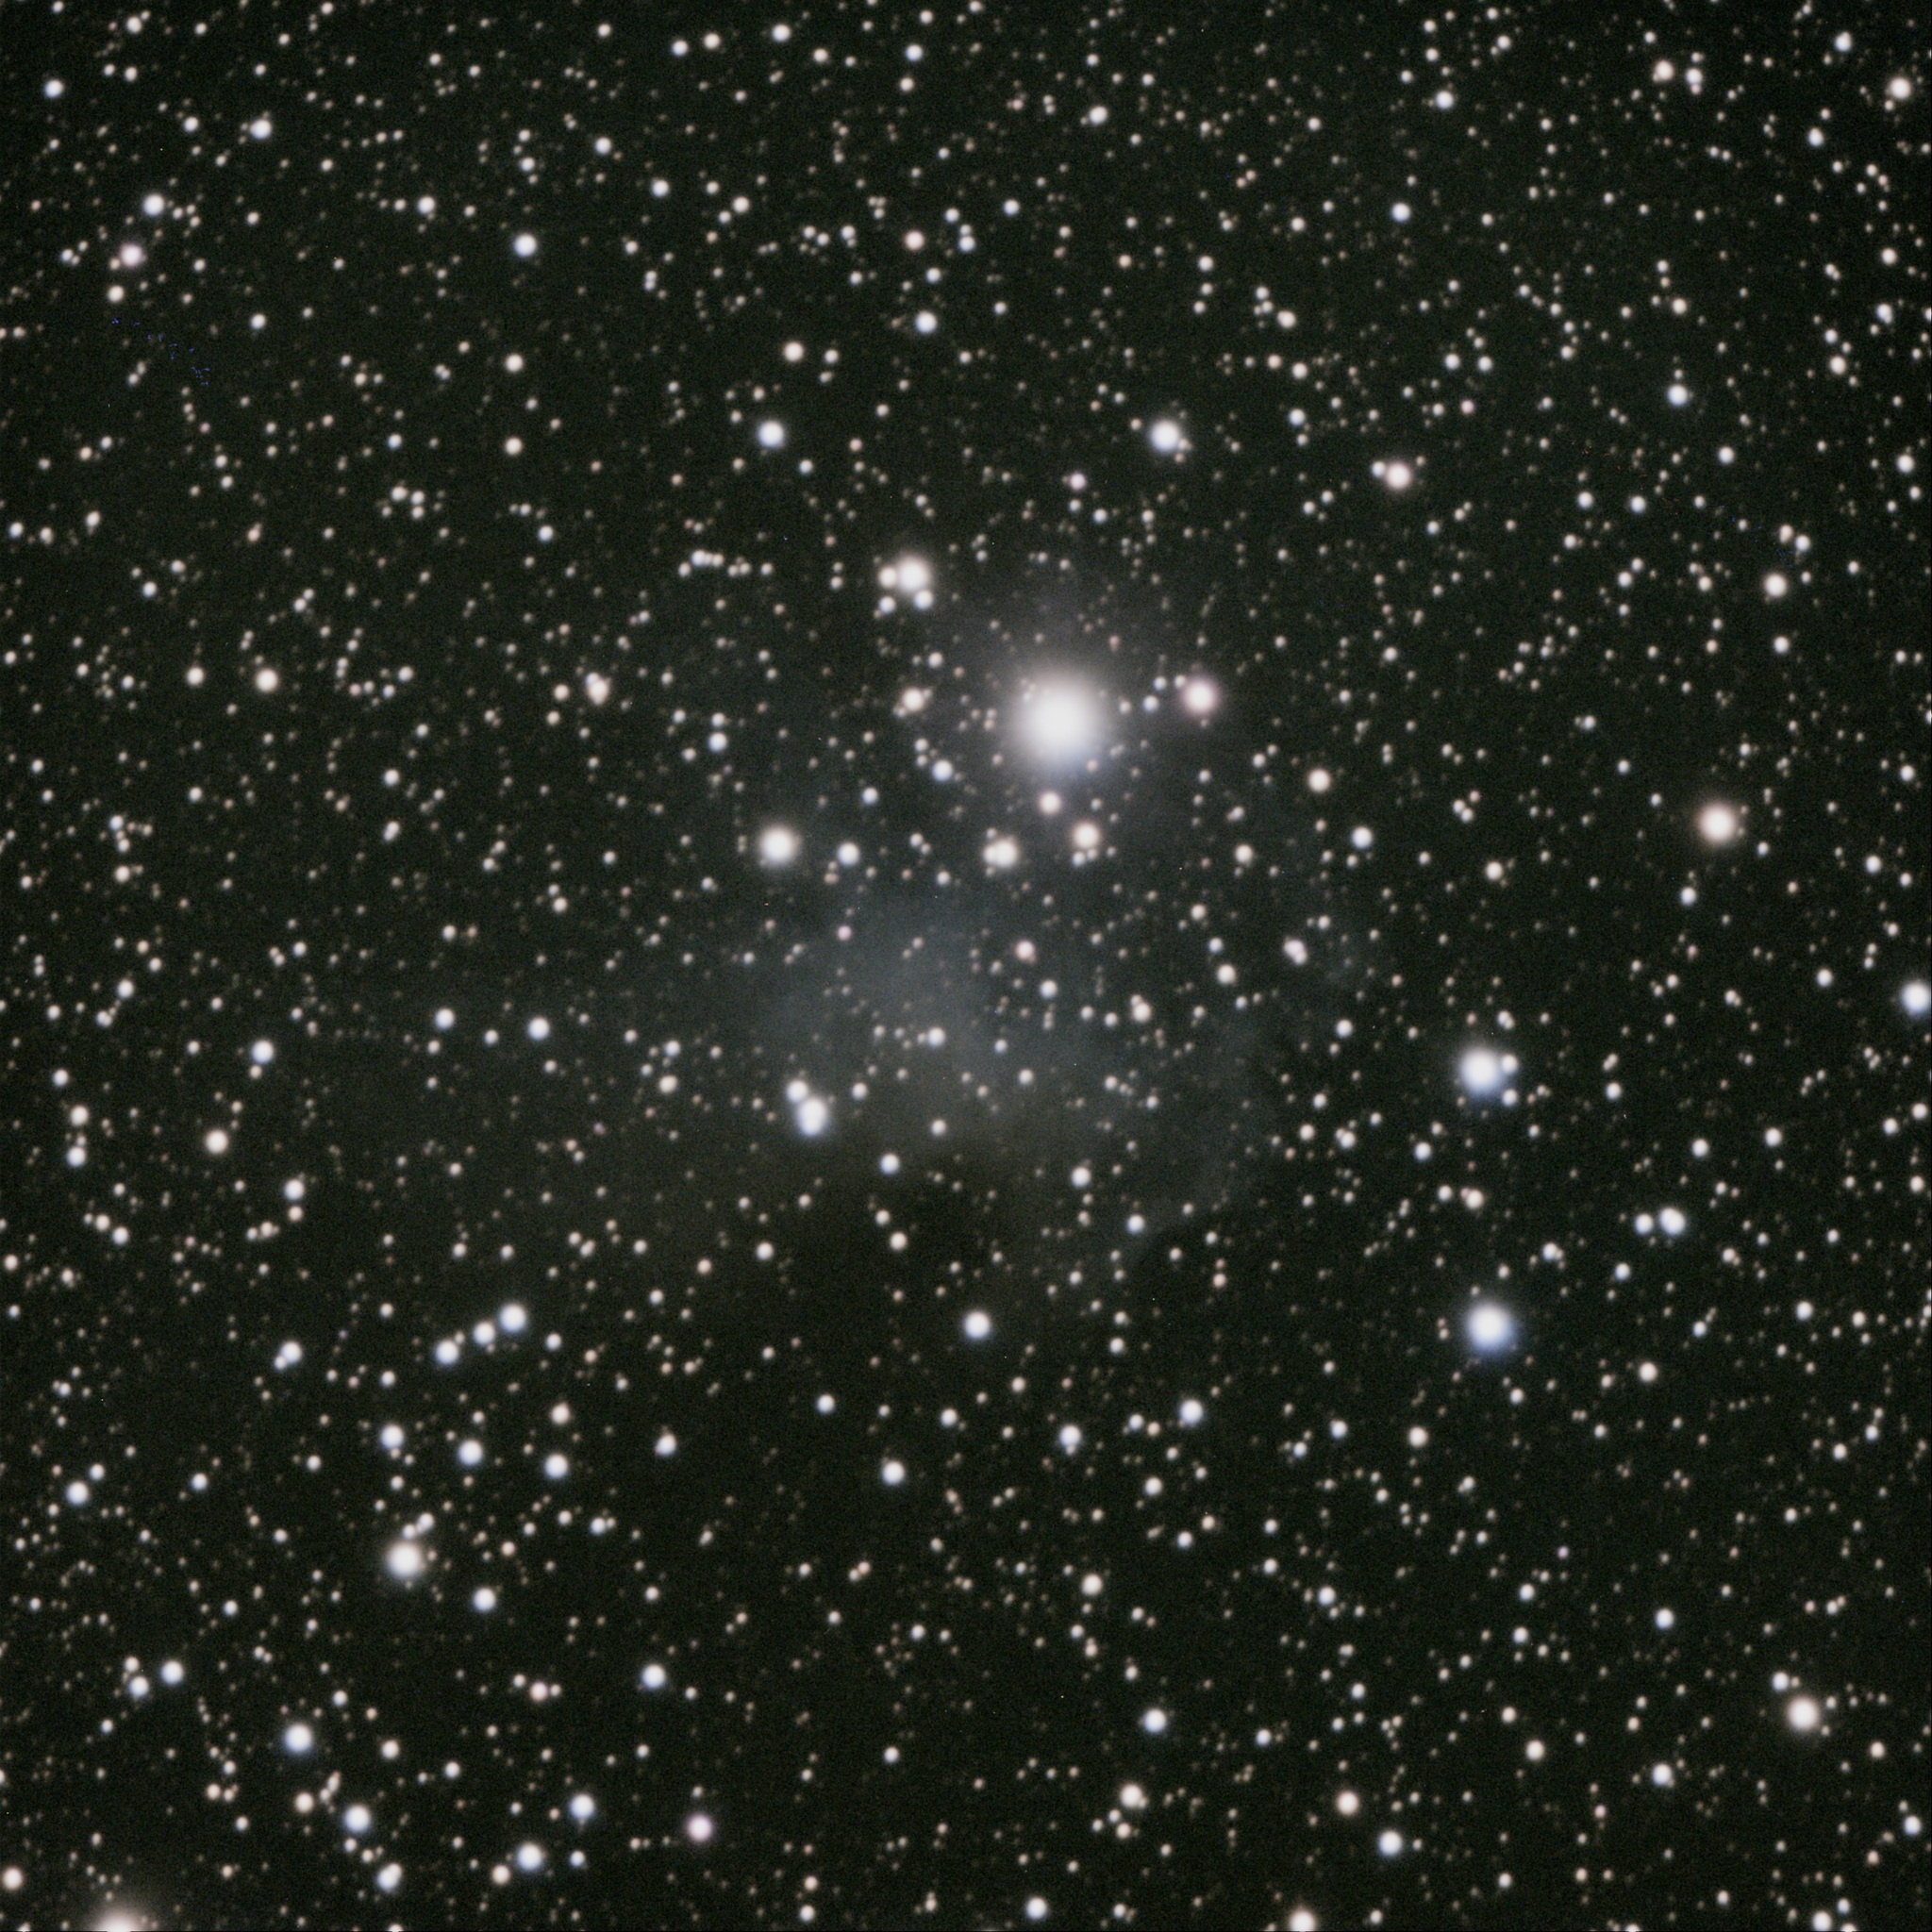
(964, 967)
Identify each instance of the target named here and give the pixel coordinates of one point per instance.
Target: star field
(964, 966)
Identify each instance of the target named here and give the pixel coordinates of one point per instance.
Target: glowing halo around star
(1483, 1071)
(1718, 822)
(1059, 722)
(1490, 1327)
(778, 844)
(1200, 697)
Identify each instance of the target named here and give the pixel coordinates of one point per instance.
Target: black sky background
(372, 593)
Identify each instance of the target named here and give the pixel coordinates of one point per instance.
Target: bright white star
(1490, 1327)
(1059, 722)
